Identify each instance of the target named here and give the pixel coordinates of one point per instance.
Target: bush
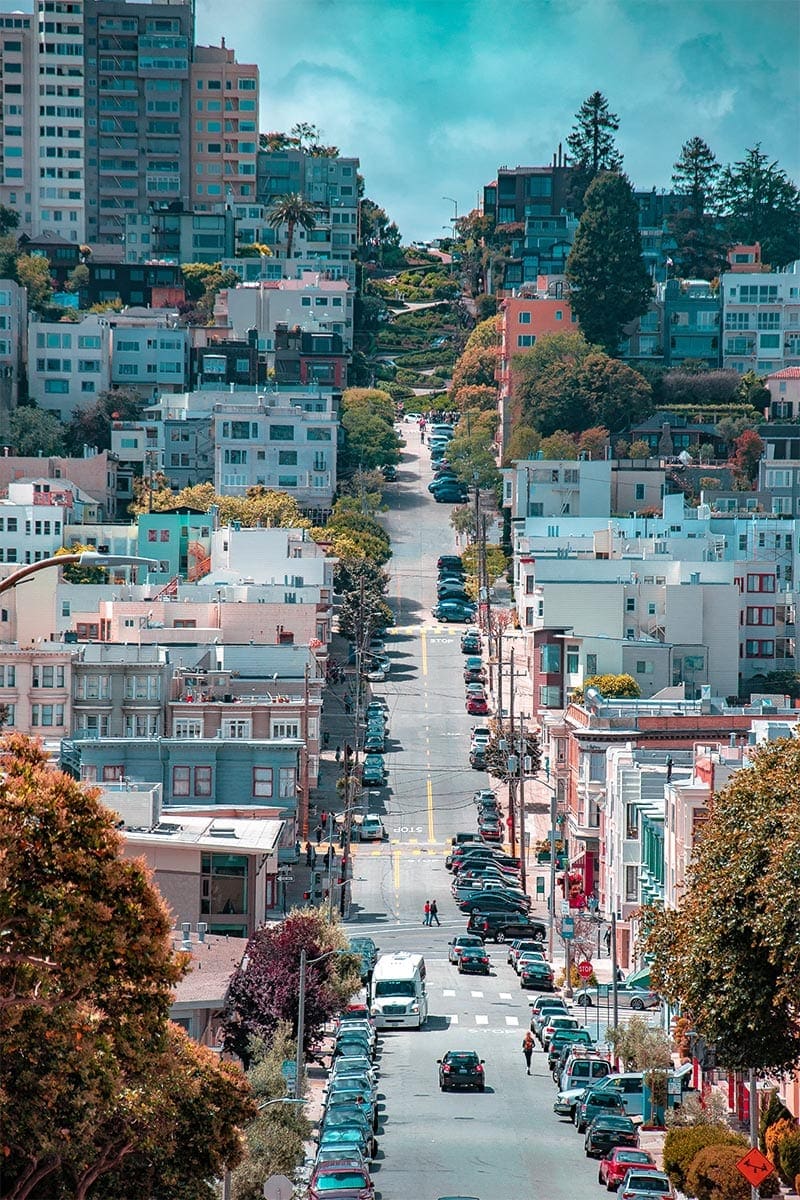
(787, 1158)
(683, 1143)
(775, 1111)
(575, 979)
(774, 1137)
(713, 1175)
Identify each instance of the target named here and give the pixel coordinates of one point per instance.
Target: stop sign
(585, 969)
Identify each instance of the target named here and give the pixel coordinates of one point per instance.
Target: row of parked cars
(452, 601)
(487, 883)
(445, 487)
(348, 1131)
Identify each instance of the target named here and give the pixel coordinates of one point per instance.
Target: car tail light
(479, 1069)
(445, 1069)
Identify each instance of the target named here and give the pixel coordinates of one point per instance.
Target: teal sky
(434, 95)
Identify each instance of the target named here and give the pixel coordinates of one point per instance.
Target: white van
(399, 995)
(583, 1071)
(630, 1088)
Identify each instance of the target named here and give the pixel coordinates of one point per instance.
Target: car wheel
(500, 936)
(637, 1004)
(584, 1001)
(599, 1176)
(610, 1187)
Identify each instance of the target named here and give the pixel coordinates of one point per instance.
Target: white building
(761, 318)
(68, 363)
(32, 520)
(149, 351)
(313, 302)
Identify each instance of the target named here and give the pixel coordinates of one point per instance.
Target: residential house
(120, 690)
(539, 488)
(201, 995)
(69, 364)
(149, 351)
(784, 390)
(32, 520)
(315, 302)
(171, 234)
(761, 321)
(94, 474)
(36, 688)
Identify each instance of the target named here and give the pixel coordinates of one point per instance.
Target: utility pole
(305, 783)
(614, 967)
(512, 798)
(523, 849)
(487, 601)
(352, 772)
(330, 866)
(553, 831)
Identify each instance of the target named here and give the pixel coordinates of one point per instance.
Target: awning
(640, 978)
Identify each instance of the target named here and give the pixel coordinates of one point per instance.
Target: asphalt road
(506, 1143)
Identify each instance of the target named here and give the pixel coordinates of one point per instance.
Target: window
(550, 697)
(573, 660)
(287, 458)
(93, 725)
(281, 433)
(525, 340)
(644, 667)
(524, 318)
(181, 781)
(630, 604)
(760, 616)
(550, 659)
(639, 492)
(262, 782)
(187, 728)
(240, 728)
(224, 884)
(591, 664)
(761, 583)
(318, 433)
(91, 687)
(287, 783)
(631, 883)
(285, 729)
(202, 781)
(8, 677)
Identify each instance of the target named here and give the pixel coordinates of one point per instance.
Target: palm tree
(291, 210)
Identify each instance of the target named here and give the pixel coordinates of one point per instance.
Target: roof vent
(186, 936)
(222, 831)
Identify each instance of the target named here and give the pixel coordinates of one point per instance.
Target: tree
(592, 145)
(605, 269)
(475, 368)
(701, 243)
(93, 1075)
(462, 518)
(202, 282)
(380, 237)
(748, 451)
(480, 397)
(485, 335)
(369, 440)
(594, 442)
(75, 573)
(559, 445)
(524, 442)
(263, 994)
(713, 1175)
(643, 1048)
(683, 1143)
(33, 273)
(761, 204)
(695, 175)
(639, 449)
(92, 426)
(596, 391)
(292, 210)
(36, 432)
(739, 919)
(611, 687)
(9, 219)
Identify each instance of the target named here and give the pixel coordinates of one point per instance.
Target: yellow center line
(396, 869)
(431, 836)
(424, 645)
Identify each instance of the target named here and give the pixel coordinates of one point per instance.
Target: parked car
(470, 643)
(533, 974)
(556, 1022)
(498, 902)
(449, 560)
(370, 829)
(464, 941)
(646, 1185)
(503, 926)
(563, 1038)
(597, 1102)
(454, 610)
(461, 1068)
(637, 998)
(606, 1132)
(368, 951)
(615, 1165)
(373, 772)
(389, 471)
(476, 706)
(473, 962)
(520, 946)
(346, 1138)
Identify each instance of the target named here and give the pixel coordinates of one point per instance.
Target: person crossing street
(434, 913)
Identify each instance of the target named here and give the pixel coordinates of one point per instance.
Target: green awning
(640, 978)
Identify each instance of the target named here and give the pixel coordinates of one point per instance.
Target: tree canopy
(95, 1081)
(730, 952)
(592, 145)
(610, 284)
(259, 505)
(291, 210)
(761, 204)
(34, 431)
(92, 426)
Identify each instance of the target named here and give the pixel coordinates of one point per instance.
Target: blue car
(454, 610)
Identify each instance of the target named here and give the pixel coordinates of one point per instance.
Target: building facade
(224, 128)
(761, 320)
(69, 365)
(13, 346)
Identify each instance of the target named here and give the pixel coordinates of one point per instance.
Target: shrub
(639, 449)
(787, 1158)
(575, 978)
(683, 1143)
(713, 1175)
(775, 1135)
(775, 1111)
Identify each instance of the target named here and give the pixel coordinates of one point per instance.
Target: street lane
(506, 1142)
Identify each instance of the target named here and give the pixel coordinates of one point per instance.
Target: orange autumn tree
(96, 1084)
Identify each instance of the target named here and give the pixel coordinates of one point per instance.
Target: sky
(434, 95)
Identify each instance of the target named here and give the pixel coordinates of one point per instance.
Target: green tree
(33, 273)
(369, 441)
(592, 145)
(761, 204)
(739, 919)
(713, 1175)
(9, 219)
(695, 175)
(462, 518)
(605, 269)
(292, 210)
(559, 445)
(594, 442)
(202, 282)
(76, 573)
(379, 236)
(523, 443)
(92, 426)
(596, 391)
(611, 687)
(475, 368)
(485, 335)
(94, 1078)
(36, 432)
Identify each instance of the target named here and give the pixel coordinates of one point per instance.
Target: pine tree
(606, 272)
(592, 145)
(695, 175)
(761, 204)
(701, 242)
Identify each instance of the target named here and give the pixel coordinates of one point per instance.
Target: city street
(436, 1144)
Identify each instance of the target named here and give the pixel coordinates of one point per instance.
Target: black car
(498, 902)
(449, 560)
(605, 1133)
(538, 975)
(471, 852)
(504, 926)
(473, 961)
(477, 760)
(461, 1068)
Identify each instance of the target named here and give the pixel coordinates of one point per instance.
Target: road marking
(448, 992)
(424, 649)
(452, 1020)
(431, 832)
(396, 869)
(481, 1020)
(511, 1021)
(505, 995)
(476, 995)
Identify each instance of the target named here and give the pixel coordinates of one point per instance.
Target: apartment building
(94, 475)
(172, 234)
(69, 364)
(36, 688)
(784, 390)
(19, 172)
(224, 127)
(583, 488)
(149, 351)
(32, 520)
(58, 142)
(331, 185)
(761, 315)
(13, 343)
(120, 691)
(313, 302)
(182, 450)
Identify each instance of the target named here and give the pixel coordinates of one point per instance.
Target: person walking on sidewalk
(434, 913)
(324, 818)
(608, 939)
(318, 834)
(527, 1050)
(309, 854)
(427, 912)
(338, 753)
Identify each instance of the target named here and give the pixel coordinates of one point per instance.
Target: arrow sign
(755, 1167)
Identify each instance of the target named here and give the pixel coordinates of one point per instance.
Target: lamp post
(454, 217)
(305, 962)
(86, 558)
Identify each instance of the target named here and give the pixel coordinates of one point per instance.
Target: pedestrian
(329, 857)
(348, 704)
(620, 975)
(608, 939)
(313, 858)
(326, 737)
(323, 819)
(309, 854)
(338, 753)
(427, 911)
(318, 834)
(434, 913)
(527, 1050)
(297, 849)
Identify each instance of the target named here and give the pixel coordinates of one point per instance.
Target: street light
(454, 203)
(301, 1012)
(86, 558)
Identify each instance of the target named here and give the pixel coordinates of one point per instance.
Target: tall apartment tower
(19, 185)
(224, 128)
(138, 59)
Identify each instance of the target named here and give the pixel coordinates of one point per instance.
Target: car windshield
(333, 1181)
(463, 1060)
(648, 1183)
(391, 987)
(613, 1123)
(632, 1156)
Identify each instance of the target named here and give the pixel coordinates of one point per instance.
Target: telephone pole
(512, 790)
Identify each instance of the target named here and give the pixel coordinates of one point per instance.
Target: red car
(620, 1160)
(345, 1180)
(477, 706)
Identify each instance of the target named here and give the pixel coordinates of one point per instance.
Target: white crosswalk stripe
(505, 995)
(448, 992)
(476, 995)
(452, 1019)
(481, 1020)
(511, 1021)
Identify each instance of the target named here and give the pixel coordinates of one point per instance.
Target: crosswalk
(492, 1018)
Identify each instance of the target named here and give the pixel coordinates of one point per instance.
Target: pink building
(224, 141)
(36, 689)
(96, 475)
(784, 389)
